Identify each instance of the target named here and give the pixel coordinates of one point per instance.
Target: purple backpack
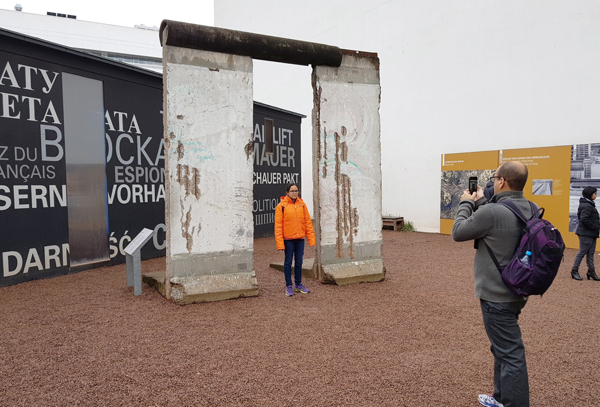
(546, 246)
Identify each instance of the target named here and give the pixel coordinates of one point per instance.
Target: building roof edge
(64, 48)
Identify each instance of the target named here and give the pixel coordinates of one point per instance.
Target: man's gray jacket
(501, 230)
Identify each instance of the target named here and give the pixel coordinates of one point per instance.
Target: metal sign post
(134, 260)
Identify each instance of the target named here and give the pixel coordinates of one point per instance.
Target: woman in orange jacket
(292, 225)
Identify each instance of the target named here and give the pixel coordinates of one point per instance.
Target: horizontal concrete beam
(256, 46)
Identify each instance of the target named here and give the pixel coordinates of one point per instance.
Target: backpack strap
(535, 212)
(494, 259)
(513, 208)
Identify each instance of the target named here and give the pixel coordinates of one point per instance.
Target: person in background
(488, 191)
(587, 231)
(292, 225)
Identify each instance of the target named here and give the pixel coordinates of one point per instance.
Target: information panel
(556, 177)
(456, 170)
(548, 183)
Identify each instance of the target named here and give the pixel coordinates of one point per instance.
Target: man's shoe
(288, 291)
(489, 401)
(301, 289)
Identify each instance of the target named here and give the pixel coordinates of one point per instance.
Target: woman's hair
(287, 189)
(588, 192)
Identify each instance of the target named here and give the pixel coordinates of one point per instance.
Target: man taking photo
(494, 225)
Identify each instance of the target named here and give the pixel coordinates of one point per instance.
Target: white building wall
(456, 76)
(85, 35)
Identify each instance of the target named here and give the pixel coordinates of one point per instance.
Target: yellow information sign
(548, 183)
(481, 160)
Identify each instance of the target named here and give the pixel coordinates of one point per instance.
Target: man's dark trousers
(511, 383)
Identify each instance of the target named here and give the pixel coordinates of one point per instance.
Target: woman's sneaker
(288, 291)
(301, 289)
(489, 401)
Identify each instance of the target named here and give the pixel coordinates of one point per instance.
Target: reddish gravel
(415, 339)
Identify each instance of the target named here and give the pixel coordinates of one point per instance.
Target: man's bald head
(514, 173)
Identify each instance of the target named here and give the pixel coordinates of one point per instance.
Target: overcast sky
(122, 12)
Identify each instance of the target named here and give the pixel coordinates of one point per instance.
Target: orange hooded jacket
(292, 221)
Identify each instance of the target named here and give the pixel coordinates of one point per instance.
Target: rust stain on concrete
(172, 135)
(324, 152)
(316, 116)
(344, 151)
(351, 212)
(249, 149)
(339, 242)
(180, 150)
(343, 145)
(189, 179)
(345, 200)
(180, 116)
(347, 216)
(196, 183)
(185, 228)
(316, 113)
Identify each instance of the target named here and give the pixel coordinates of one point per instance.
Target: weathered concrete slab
(347, 170)
(362, 271)
(208, 167)
(308, 270)
(155, 279)
(188, 290)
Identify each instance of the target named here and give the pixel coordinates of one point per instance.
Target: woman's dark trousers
(587, 247)
(295, 248)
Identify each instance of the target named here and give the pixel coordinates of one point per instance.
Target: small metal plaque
(139, 241)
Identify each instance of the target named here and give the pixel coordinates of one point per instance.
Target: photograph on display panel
(454, 184)
(542, 187)
(585, 172)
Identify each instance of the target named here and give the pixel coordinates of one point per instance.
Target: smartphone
(472, 185)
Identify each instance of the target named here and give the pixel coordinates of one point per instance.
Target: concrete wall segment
(347, 158)
(208, 117)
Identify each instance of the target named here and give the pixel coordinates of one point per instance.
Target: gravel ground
(415, 339)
